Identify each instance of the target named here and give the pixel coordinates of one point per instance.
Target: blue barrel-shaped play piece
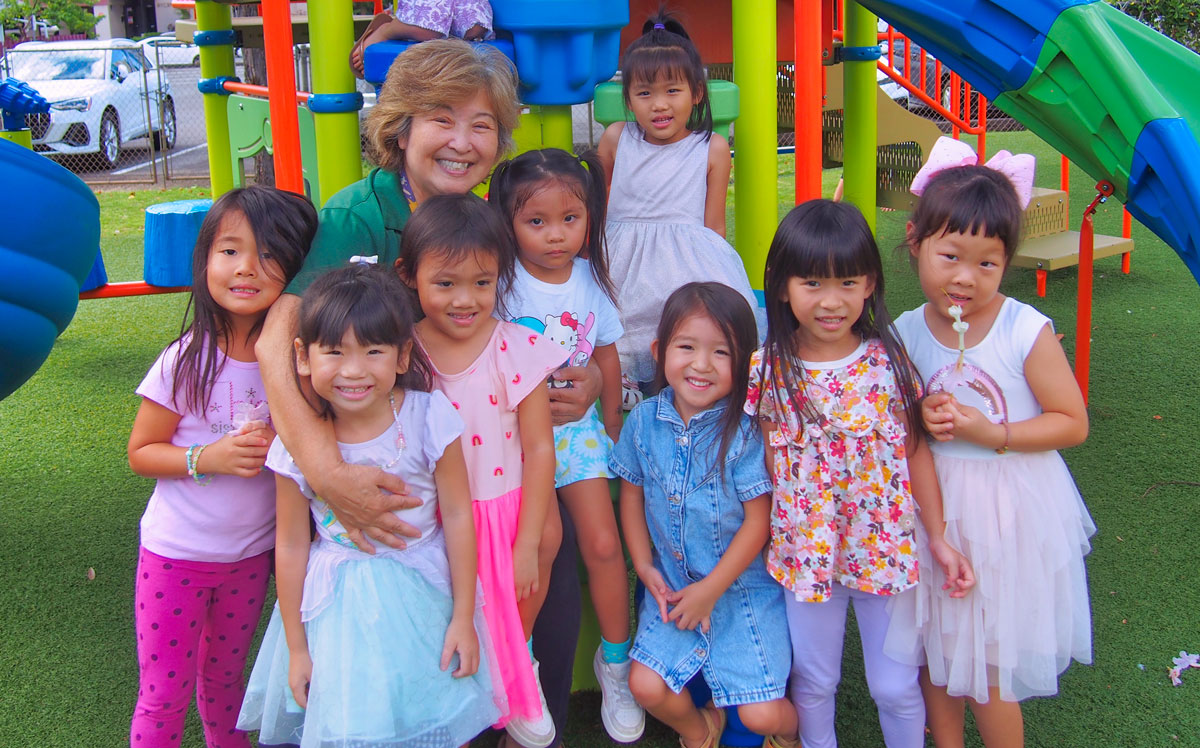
(563, 47)
(49, 232)
(378, 57)
(171, 231)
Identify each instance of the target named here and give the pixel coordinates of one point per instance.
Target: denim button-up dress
(692, 513)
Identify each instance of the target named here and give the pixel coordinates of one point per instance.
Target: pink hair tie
(948, 153)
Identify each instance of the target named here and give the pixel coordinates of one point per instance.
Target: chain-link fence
(119, 110)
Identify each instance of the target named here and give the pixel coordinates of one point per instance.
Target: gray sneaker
(623, 718)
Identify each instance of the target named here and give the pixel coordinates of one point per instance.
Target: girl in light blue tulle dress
(388, 649)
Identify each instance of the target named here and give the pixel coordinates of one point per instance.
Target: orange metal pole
(281, 79)
(130, 288)
(260, 92)
(809, 82)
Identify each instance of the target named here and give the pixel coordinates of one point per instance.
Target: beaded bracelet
(193, 460)
(1002, 449)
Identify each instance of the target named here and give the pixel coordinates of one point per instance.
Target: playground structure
(1149, 162)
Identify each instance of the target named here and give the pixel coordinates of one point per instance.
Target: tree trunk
(254, 63)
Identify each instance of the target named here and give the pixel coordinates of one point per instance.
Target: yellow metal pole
(755, 133)
(861, 111)
(331, 28)
(216, 61)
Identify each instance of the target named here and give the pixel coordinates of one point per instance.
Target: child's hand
(970, 424)
(241, 453)
(939, 421)
(960, 577)
(656, 586)
(693, 606)
(461, 638)
(299, 676)
(525, 571)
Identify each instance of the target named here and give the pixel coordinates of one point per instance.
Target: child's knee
(768, 717)
(648, 687)
(897, 695)
(603, 548)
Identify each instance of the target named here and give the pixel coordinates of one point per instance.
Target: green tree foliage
(1177, 19)
(67, 15)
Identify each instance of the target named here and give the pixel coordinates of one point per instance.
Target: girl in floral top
(834, 390)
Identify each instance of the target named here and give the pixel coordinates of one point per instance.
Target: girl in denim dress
(695, 510)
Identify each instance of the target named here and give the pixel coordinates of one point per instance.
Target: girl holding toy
(202, 430)
(459, 258)
(695, 508)
(554, 203)
(373, 650)
(837, 400)
(668, 176)
(1001, 399)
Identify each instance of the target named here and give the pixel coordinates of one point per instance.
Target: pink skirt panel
(495, 532)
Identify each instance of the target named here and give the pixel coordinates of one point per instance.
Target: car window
(57, 65)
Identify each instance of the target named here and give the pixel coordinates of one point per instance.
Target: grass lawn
(69, 504)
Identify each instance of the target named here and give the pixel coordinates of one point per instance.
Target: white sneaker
(623, 718)
(533, 733)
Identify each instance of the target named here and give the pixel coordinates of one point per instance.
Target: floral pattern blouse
(842, 510)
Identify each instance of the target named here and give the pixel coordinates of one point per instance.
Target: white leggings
(818, 631)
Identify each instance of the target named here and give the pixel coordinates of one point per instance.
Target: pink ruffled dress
(514, 363)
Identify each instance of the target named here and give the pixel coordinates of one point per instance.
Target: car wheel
(196, 60)
(164, 137)
(109, 139)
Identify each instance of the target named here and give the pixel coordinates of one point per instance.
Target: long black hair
(732, 315)
(283, 224)
(515, 182)
(371, 301)
(824, 239)
(664, 49)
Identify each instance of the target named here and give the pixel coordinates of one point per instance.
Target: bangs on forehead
(651, 64)
(526, 191)
(370, 319)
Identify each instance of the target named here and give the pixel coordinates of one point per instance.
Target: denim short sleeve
(750, 477)
(625, 461)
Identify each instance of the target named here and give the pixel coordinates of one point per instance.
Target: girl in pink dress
(458, 257)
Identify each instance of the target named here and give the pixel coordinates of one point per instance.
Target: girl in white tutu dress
(383, 649)
(1000, 400)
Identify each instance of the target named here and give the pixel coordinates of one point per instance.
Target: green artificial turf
(69, 504)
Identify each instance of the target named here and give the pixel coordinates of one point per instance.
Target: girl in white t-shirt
(554, 203)
(203, 431)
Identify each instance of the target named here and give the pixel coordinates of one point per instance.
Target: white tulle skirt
(1023, 525)
(376, 626)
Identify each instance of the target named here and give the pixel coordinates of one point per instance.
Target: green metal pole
(216, 61)
(861, 113)
(331, 31)
(756, 133)
(556, 127)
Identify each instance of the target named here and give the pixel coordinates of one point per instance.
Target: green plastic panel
(1104, 73)
(609, 104)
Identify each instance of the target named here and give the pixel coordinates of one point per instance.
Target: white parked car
(102, 94)
(165, 49)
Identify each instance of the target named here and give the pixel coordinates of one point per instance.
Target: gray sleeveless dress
(657, 240)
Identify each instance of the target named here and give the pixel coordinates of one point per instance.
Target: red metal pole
(809, 105)
(130, 288)
(1064, 184)
(281, 79)
(1127, 232)
(1083, 316)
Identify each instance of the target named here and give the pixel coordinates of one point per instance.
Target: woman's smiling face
(452, 148)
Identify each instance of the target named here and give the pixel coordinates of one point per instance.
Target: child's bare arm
(537, 487)
(292, 542)
(720, 164)
(151, 453)
(610, 388)
(606, 150)
(454, 503)
(637, 540)
(927, 493)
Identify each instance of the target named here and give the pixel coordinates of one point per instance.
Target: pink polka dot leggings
(194, 622)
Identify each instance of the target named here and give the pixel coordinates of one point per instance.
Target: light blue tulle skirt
(376, 641)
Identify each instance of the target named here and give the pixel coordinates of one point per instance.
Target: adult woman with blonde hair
(443, 119)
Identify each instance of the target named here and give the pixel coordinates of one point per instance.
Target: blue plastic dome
(51, 229)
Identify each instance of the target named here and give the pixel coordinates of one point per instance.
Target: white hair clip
(364, 260)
